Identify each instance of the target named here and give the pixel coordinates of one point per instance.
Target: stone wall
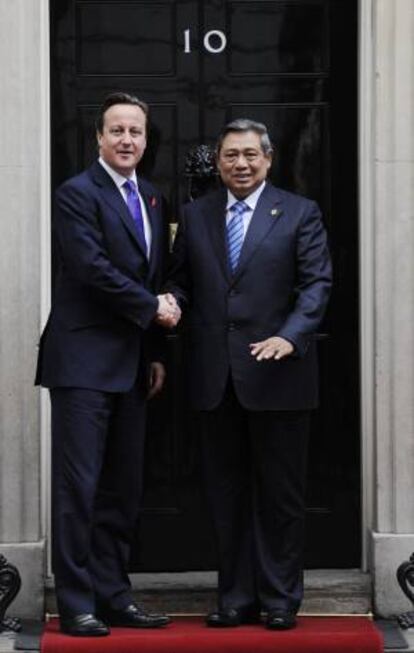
(21, 150)
(393, 539)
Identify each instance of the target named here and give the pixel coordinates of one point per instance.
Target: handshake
(169, 313)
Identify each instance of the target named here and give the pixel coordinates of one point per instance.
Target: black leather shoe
(231, 618)
(134, 616)
(280, 620)
(84, 625)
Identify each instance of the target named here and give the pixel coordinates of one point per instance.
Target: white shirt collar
(251, 200)
(118, 179)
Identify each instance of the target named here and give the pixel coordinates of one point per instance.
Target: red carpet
(189, 635)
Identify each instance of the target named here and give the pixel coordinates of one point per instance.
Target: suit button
(231, 326)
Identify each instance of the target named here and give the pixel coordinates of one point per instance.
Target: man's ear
(269, 160)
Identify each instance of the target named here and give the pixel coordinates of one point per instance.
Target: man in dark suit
(252, 267)
(100, 357)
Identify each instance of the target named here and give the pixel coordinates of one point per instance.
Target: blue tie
(134, 206)
(235, 232)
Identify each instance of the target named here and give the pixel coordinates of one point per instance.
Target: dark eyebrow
(245, 150)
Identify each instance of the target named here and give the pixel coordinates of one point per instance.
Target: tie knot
(130, 186)
(239, 207)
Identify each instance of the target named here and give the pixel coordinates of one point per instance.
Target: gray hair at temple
(246, 125)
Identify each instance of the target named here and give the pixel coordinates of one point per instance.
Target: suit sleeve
(178, 278)
(157, 345)
(83, 253)
(314, 280)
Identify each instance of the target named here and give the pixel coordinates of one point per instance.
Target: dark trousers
(255, 471)
(97, 473)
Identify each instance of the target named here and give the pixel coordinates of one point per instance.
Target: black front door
(292, 65)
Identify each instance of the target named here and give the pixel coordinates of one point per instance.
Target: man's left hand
(274, 347)
(156, 380)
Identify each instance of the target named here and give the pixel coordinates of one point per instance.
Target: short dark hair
(246, 125)
(118, 98)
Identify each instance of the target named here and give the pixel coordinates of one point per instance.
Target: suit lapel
(215, 217)
(153, 212)
(266, 214)
(113, 197)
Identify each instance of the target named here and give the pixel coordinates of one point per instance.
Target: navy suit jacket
(104, 293)
(281, 287)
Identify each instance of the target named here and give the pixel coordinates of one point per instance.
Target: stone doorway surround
(386, 192)
(24, 284)
(387, 290)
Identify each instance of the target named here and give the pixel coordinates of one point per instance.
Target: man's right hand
(169, 313)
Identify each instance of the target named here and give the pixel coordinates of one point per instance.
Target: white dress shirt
(251, 201)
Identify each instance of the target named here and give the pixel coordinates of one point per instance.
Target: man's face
(124, 137)
(242, 163)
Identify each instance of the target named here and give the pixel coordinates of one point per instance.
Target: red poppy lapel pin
(153, 202)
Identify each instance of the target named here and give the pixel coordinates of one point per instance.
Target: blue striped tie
(235, 232)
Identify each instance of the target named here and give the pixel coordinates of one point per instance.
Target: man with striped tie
(251, 267)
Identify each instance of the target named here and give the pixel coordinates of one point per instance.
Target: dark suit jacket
(281, 287)
(104, 293)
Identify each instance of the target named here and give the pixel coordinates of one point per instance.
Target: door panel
(282, 38)
(114, 39)
(292, 65)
